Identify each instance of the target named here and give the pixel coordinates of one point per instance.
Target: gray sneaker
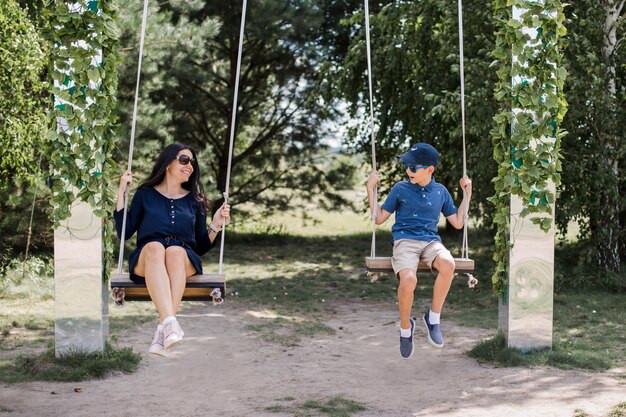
(406, 343)
(434, 332)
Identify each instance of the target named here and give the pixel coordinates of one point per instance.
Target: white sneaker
(172, 334)
(158, 344)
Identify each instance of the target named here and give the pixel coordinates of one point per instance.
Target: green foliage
(618, 411)
(16, 272)
(72, 366)
(598, 141)
(337, 406)
(22, 114)
(289, 331)
(417, 93)
(16, 202)
(280, 160)
(495, 350)
(576, 268)
(81, 138)
(527, 140)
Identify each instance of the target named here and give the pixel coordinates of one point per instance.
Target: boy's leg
(408, 282)
(404, 262)
(444, 264)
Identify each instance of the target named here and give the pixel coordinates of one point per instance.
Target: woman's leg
(178, 267)
(151, 265)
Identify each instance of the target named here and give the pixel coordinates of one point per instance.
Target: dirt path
(221, 369)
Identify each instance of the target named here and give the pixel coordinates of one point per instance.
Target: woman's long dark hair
(193, 184)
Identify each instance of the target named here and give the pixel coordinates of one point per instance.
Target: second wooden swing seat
(383, 264)
(199, 287)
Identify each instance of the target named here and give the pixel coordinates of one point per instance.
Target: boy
(418, 203)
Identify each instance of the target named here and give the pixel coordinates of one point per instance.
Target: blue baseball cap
(421, 154)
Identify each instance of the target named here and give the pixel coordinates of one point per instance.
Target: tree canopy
(304, 75)
(22, 112)
(417, 90)
(594, 164)
(187, 92)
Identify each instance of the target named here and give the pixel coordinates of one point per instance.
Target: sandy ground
(222, 369)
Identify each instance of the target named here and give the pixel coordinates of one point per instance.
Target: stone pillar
(81, 295)
(525, 313)
(526, 307)
(81, 298)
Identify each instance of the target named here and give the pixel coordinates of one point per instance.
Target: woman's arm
(125, 182)
(220, 219)
(205, 236)
(135, 211)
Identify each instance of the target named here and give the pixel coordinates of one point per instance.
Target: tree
(22, 111)
(415, 71)
(189, 77)
(594, 150)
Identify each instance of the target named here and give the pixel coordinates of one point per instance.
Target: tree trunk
(608, 242)
(613, 8)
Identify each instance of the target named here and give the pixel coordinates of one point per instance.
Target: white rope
(32, 215)
(373, 137)
(465, 245)
(232, 126)
(132, 131)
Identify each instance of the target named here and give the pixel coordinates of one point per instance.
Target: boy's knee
(407, 277)
(445, 265)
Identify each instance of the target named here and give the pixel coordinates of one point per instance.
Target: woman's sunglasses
(184, 159)
(414, 168)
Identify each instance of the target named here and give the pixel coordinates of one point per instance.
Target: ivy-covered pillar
(83, 84)
(527, 143)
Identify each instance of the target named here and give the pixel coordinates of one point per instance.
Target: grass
(72, 366)
(618, 411)
(289, 331)
(27, 308)
(337, 406)
(296, 276)
(297, 270)
(588, 333)
(494, 350)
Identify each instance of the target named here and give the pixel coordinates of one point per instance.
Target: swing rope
(232, 124)
(373, 137)
(465, 244)
(32, 215)
(144, 19)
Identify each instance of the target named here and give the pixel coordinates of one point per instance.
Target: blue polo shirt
(418, 209)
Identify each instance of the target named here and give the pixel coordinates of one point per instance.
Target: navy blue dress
(171, 221)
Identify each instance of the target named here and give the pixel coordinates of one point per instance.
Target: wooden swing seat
(383, 264)
(199, 287)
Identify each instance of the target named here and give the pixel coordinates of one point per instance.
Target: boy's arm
(372, 182)
(458, 219)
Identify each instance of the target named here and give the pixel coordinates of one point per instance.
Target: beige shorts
(408, 252)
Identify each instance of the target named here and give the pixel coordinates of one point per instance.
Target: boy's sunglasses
(414, 168)
(184, 159)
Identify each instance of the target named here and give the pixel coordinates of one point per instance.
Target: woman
(169, 213)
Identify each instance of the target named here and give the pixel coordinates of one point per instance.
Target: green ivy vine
(526, 141)
(83, 81)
